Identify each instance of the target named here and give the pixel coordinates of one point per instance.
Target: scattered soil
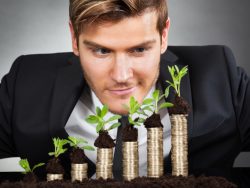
(141, 182)
(129, 134)
(54, 166)
(180, 106)
(153, 121)
(104, 140)
(77, 156)
(30, 177)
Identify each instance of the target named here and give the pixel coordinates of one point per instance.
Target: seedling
(99, 119)
(152, 104)
(176, 75)
(58, 144)
(75, 142)
(134, 108)
(25, 165)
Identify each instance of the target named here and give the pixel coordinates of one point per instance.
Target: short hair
(83, 13)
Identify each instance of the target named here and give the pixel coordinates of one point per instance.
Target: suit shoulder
(54, 59)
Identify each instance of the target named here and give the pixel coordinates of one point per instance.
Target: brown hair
(85, 12)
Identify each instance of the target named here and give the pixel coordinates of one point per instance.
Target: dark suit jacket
(39, 93)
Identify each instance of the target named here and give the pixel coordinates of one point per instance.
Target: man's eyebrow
(96, 45)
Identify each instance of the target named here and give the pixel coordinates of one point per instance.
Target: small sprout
(176, 75)
(25, 165)
(134, 108)
(58, 145)
(98, 119)
(152, 104)
(75, 142)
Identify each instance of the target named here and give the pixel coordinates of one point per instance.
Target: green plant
(176, 75)
(75, 142)
(58, 145)
(25, 165)
(152, 104)
(133, 109)
(99, 120)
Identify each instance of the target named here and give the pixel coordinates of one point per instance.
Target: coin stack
(104, 163)
(52, 177)
(79, 171)
(155, 152)
(130, 160)
(179, 142)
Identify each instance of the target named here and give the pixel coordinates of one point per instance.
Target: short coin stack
(79, 171)
(52, 177)
(104, 163)
(155, 152)
(130, 160)
(179, 142)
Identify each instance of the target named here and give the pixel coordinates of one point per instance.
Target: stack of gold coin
(155, 152)
(130, 160)
(179, 143)
(104, 163)
(79, 171)
(52, 177)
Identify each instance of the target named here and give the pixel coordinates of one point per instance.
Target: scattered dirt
(153, 121)
(54, 166)
(129, 134)
(141, 182)
(180, 106)
(77, 156)
(104, 140)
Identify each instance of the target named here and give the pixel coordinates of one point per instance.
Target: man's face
(121, 59)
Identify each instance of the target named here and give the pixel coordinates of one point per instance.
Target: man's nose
(122, 70)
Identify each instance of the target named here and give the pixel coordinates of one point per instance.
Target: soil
(30, 177)
(54, 166)
(153, 121)
(129, 134)
(104, 140)
(141, 182)
(77, 156)
(180, 106)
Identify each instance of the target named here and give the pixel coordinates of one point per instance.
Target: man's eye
(101, 51)
(139, 50)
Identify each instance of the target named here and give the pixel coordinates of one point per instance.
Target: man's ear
(164, 36)
(74, 40)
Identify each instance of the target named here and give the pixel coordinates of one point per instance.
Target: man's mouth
(122, 91)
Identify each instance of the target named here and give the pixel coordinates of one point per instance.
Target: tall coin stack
(52, 177)
(130, 160)
(104, 163)
(179, 142)
(79, 171)
(155, 152)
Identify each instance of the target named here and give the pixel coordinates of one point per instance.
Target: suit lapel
(67, 90)
(170, 59)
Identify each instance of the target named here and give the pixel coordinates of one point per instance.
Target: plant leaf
(36, 166)
(98, 111)
(156, 94)
(115, 125)
(92, 119)
(99, 127)
(25, 165)
(147, 101)
(115, 117)
(90, 148)
(166, 105)
(51, 153)
(104, 111)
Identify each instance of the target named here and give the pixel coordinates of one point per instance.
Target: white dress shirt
(78, 127)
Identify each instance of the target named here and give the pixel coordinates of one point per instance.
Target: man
(120, 50)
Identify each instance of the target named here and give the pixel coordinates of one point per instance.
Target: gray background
(33, 26)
